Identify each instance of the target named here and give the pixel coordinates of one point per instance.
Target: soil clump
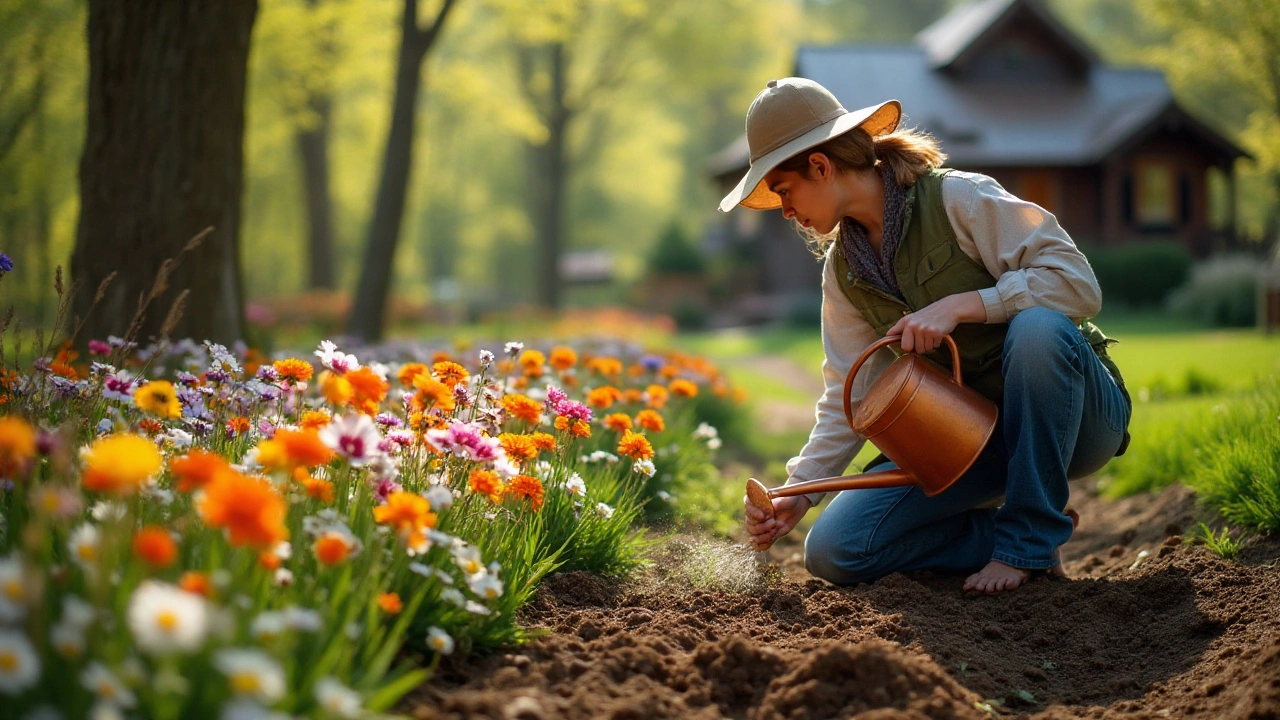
(1175, 632)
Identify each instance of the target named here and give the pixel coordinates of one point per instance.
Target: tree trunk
(313, 148)
(547, 181)
(162, 160)
(368, 312)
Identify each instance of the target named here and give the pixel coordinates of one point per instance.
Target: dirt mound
(1172, 633)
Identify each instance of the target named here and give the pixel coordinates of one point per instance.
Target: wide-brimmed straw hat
(791, 115)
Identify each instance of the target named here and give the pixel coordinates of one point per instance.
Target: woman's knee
(836, 563)
(1039, 336)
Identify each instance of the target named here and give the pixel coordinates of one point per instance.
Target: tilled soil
(714, 632)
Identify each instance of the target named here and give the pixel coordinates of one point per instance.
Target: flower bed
(250, 538)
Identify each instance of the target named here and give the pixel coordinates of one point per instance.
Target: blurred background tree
(548, 127)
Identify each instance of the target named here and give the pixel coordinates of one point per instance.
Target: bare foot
(996, 577)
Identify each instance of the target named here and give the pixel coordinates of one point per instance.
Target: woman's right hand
(787, 512)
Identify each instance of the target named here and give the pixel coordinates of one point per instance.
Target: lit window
(1155, 193)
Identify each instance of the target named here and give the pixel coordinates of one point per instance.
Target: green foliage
(1222, 544)
(1227, 449)
(1222, 292)
(1141, 273)
(676, 254)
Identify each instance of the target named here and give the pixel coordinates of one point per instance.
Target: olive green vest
(930, 266)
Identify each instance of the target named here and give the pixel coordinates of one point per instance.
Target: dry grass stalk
(175, 314)
(161, 284)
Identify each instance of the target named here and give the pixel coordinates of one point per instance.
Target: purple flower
(267, 373)
(555, 396)
(653, 363)
(186, 378)
(387, 420)
(5, 264)
(385, 487)
(217, 376)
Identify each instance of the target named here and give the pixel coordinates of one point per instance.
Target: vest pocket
(933, 262)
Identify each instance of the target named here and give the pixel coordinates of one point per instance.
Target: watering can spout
(762, 497)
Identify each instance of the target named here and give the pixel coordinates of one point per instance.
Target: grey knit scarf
(858, 251)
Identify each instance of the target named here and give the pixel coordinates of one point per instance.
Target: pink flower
(466, 440)
(560, 404)
(336, 360)
(97, 347)
(353, 436)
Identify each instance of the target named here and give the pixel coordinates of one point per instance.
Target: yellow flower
(158, 398)
(336, 388)
(531, 362)
(120, 463)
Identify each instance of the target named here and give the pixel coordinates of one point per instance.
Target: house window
(1156, 194)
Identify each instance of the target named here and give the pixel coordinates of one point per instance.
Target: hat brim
(752, 192)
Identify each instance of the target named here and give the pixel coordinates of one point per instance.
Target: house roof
(967, 28)
(995, 123)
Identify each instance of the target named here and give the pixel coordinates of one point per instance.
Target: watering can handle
(884, 342)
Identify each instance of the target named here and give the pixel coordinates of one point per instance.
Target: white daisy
(165, 619)
(644, 467)
(98, 680)
(268, 626)
(303, 619)
(439, 640)
(604, 511)
(440, 497)
(19, 664)
(67, 639)
(246, 709)
(453, 595)
(251, 673)
(337, 699)
(13, 590)
(468, 558)
(575, 485)
(485, 585)
(84, 545)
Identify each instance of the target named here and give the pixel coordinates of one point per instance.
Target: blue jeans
(1063, 417)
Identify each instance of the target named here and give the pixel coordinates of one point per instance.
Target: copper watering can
(930, 425)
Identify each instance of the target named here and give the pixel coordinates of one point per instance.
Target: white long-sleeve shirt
(1034, 261)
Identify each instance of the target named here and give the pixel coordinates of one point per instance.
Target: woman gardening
(918, 252)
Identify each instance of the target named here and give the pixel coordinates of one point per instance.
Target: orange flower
(440, 356)
(531, 362)
(669, 371)
(409, 372)
(336, 388)
(293, 370)
(197, 468)
(684, 388)
(248, 507)
(650, 420)
(603, 396)
(579, 428)
(563, 358)
(314, 419)
(657, 396)
(606, 366)
(450, 373)
(17, 445)
(150, 426)
(635, 446)
(120, 463)
(432, 394)
(390, 603)
(636, 370)
(290, 449)
(618, 422)
(522, 407)
(332, 548)
(238, 425)
(739, 395)
(196, 583)
(632, 395)
(407, 513)
(155, 546)
(528, 487)
(368, 389)
(719, 388)
(317, 488)
(485, 482)
(543, 441)
(269, 560)
(518, 447)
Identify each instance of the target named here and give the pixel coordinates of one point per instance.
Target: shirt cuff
(996, 312)
(808, 470)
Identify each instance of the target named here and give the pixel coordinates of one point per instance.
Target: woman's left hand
(922, 330)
